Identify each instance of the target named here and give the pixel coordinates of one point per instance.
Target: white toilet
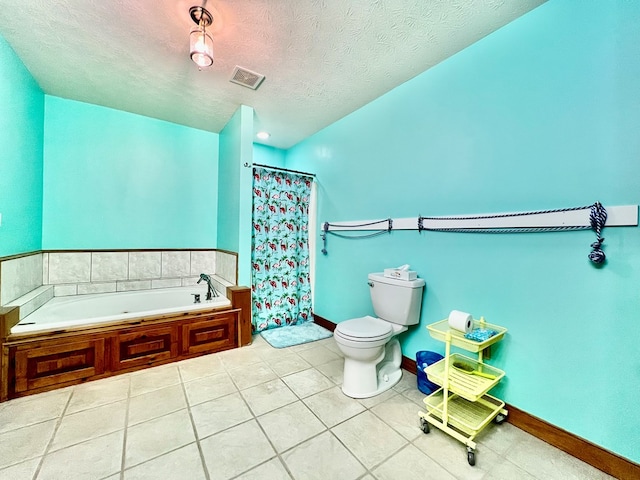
(372, 353)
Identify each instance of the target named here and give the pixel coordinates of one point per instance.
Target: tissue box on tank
(400, 274)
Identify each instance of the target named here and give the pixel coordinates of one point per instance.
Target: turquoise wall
(245, 196)
(113, 179)
(228, 204)
(235, 194)
(271, 156)
(544, 113)
(21, 133)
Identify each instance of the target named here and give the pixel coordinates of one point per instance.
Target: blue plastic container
(423, 360)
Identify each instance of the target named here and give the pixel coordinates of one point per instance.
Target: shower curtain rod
(284, 170)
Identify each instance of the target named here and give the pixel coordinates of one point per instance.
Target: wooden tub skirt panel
(52, 364)
(41, 361)
(136, 347)
(210, 334)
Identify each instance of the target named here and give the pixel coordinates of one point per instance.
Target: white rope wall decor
(593, 216)
(327, 225)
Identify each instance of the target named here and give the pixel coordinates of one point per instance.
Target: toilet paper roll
(461, 321)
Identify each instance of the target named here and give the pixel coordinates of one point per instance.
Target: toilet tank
(396, 301)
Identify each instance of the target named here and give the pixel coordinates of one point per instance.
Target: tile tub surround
(145, 265)
(19, 276)
(177, 264)
(107, 266)
(227, 266)
(68, 268)
(29, 280)
(193, 419)
(84, 272)
(33, 300)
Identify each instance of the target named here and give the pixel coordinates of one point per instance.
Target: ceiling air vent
(246, 78)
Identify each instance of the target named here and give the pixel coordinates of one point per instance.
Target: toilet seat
(364, 329)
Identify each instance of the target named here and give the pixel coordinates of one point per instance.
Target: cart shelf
(467, 385)
(468, 417)
(462, 407)
(440, 329)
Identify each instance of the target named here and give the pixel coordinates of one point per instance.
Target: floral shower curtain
(281, 291)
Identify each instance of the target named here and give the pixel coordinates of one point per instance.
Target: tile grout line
(368, 471)
(53, 435)
(331, 432)
(301, 400)
(399, 449)
(57, 428)
(255, 419)
(328, 428)
(124, 436)
(388, 457)
(277, 454)
(409, 442)
(193, 426)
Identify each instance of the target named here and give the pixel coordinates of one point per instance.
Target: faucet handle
(196, 297)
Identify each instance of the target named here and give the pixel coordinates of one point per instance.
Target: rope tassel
(597, 218)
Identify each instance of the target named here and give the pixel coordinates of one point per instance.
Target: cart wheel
(424, 426)
(471, 456)
(500, 418)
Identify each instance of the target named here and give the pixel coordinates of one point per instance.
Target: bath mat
(290, 335)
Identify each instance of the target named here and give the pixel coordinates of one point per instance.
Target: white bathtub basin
(61, 312)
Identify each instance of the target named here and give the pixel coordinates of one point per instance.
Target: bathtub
(104, 308)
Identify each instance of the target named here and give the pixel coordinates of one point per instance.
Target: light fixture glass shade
(201, 46)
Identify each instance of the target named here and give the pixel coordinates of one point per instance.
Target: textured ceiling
(322, 59)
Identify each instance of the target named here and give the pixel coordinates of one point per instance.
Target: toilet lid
(365, 328)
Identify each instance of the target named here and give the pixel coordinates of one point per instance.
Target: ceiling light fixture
(200, 41)
(263, 135)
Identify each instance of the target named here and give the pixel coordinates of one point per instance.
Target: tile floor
(253, 413)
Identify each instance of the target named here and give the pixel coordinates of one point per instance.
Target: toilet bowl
(372, 354)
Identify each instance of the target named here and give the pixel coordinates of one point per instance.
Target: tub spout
(211, 291)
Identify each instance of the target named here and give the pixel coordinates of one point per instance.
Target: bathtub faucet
(211, 291)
